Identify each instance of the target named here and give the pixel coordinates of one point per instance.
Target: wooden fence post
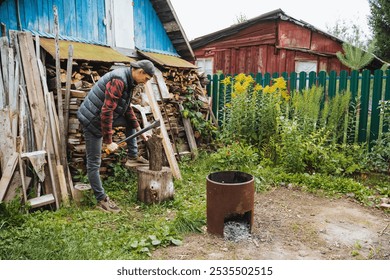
(354, 84)
(222, 100)
(332, 84)
(312, 79)
(302, 80)
(322, 80)
(364, 102)
(343, 81)
(215, 104)
(293, 81)
(259, 79)
(375, 111)
(387, 96)
(267, 79)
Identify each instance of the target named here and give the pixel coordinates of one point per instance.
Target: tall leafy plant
(336, 116)
(253, 111)
(311, 139)
(306, 107)
(378, 159)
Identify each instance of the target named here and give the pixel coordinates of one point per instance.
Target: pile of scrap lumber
(31, 152)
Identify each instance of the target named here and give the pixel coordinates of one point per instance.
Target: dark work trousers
(94, 155)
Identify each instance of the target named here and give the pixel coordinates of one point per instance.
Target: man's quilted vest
(90, 110)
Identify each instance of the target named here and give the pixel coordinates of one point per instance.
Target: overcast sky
(201, 17)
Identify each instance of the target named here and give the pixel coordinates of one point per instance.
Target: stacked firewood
(180, 84)
(188, 85)
(28, 116)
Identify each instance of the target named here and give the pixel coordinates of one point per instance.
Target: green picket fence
(370, 89)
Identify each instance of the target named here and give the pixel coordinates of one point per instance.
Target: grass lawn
(85, 233)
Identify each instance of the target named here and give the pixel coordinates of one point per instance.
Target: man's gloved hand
(145, 136)
(112, 147)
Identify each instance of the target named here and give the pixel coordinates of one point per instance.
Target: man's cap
(145, 65)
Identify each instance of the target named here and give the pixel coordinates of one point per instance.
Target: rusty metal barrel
(230, 194)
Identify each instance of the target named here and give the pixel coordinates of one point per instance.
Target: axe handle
(156, 123)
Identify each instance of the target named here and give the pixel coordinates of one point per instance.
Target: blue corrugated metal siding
(8, 13)
(149, 32)
(79, 20)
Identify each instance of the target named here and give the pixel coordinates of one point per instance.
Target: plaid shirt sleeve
(114, 90)
(131, 117)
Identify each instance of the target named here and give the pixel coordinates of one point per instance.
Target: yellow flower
(267, 89)
(240, 77)
(246, 84)
(228, 105)
(258, 87)
(249, 79)
(227, 81)
(280, 83)
(285, 95)
(239, 88)
(273, 89)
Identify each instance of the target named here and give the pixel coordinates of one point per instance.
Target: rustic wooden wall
(272, 47)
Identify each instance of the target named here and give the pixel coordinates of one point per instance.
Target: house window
(305, 66)
(205, 65)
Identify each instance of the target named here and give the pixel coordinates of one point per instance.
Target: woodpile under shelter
(66, 46)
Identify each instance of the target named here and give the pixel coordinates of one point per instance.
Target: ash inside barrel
(236, 231)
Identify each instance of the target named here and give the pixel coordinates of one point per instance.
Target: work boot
(138, 159)
(107, 205)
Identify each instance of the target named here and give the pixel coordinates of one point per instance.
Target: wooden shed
(271, 42)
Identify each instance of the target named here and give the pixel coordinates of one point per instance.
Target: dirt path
(293, 225)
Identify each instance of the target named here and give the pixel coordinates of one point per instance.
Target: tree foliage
(358, 47)
(241, 18)
(354, 57)
(379, 21)
(350, 32)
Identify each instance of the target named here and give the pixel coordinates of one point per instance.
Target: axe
(155, 124)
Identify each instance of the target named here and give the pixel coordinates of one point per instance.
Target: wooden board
(189, 133)
(34, 86)
(63, 185)
(4, 64)
(53, 129)
(2, 93)
(14, 189)
(166, 142)
(6, 143)
(58, 173)
(14, 101)
(7, 175)
(41, 200)
(157, 82)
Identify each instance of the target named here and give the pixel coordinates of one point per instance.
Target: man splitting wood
(107, 105)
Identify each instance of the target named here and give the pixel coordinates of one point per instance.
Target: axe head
(155, 124)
